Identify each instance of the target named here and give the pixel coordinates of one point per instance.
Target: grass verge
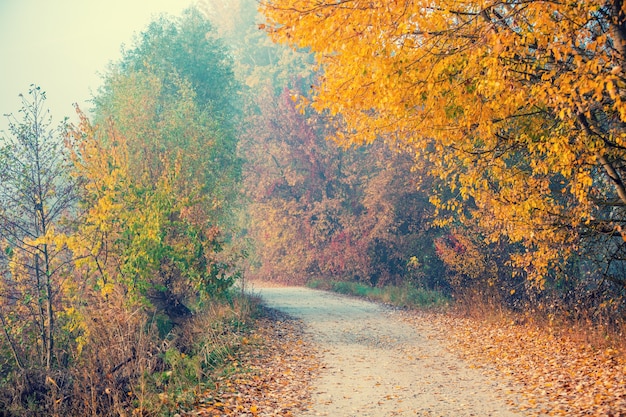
(405, 296)
(198, 356)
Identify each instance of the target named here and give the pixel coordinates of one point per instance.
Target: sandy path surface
(375, 364)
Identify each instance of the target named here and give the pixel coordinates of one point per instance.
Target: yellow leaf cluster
(505, 100)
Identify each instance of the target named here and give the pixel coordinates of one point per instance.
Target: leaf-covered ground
(271, 373)
(561, 375)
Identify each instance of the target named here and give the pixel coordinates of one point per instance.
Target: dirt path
(375, 364)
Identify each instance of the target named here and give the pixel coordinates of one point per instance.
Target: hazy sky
(62, 45)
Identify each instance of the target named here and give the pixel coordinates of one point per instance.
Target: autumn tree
(36, 197)
(154, 241)
(397, 218)
(116, 230)
(291, 177)
(162, 165)
(518, 106)
(321, 212)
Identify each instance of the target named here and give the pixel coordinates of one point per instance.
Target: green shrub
(407, 296)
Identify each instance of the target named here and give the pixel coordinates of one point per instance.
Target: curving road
(375, 364)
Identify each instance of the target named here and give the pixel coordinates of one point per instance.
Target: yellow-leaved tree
(518, 106)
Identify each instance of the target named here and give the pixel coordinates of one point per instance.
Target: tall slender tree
(36, 195)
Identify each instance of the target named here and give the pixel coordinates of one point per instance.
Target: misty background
(64, 46)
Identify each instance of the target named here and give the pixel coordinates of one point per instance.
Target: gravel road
(376, 364)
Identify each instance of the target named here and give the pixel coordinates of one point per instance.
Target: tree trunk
(11, 343)
(43, 334)
(49, 310)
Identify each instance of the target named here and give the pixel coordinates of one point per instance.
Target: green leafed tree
(161, 159)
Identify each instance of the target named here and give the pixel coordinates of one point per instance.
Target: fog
(63, 46)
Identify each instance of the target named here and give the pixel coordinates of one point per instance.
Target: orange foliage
(519, 107)
(561, 374)
(466, 260)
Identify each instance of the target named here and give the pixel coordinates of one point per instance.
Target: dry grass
(133, 362)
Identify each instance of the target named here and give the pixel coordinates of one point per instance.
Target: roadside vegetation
(117, 259)
(405, 297)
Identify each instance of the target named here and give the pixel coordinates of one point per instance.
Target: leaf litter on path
(271, 376)
(552, 375)
(377, 365)
(559, 375)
